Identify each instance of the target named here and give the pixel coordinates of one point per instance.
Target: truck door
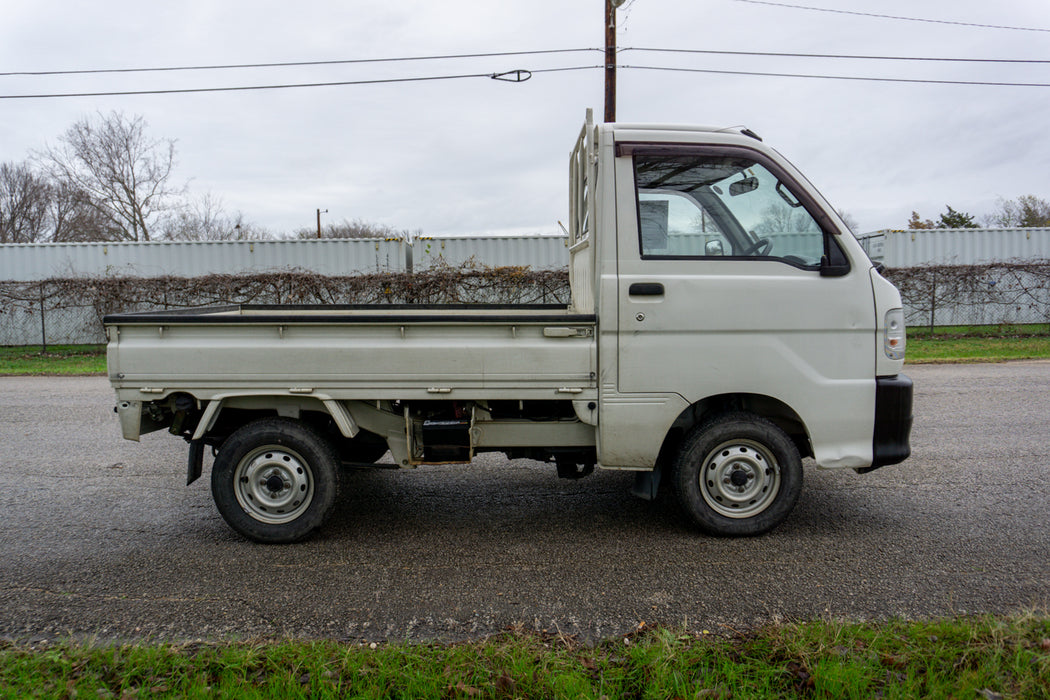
(731, 281)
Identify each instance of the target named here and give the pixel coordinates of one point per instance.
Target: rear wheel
(275, 480)
(737, 475)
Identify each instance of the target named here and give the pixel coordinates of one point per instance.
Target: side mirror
(714, 248)
(829, 269)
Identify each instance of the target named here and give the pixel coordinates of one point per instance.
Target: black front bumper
(890, 444)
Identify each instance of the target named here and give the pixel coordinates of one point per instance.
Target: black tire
(275, 480)
(737, 475)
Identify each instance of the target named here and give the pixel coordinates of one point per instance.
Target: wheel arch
(252, 405)
(768, 407)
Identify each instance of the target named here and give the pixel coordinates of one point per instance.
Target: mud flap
(647, 484)
(195, 464)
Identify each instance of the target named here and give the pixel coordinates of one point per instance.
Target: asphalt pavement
(102, 539)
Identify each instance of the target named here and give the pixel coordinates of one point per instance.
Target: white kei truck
(723, 324)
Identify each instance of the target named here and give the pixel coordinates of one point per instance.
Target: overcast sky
(474, 155)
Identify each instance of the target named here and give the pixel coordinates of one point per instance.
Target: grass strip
(58, 360)
(979, 343)
(968, 657)
(923, 351)
(1002, 330)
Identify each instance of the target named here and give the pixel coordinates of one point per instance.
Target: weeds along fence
(1014, 292)
(70, 311)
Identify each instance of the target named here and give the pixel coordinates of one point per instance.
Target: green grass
(59, 359)
(963, 658)
(979, 343)
(1003, 330)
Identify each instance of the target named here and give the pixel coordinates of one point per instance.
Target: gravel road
(101, 538)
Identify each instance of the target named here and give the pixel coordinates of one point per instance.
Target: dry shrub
(470, 283)
(1016, 291)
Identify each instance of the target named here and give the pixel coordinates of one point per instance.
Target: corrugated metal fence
(956, 246)
(537, 252)
(194, 258)
(37, 262)
(326, 256)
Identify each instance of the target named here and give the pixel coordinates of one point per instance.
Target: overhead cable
(499, 54)
(521, 76)
(834, 77)
(294, 64)
(896, 17)
(518, 75)
(859, 57)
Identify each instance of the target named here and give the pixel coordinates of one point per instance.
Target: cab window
(722, 206)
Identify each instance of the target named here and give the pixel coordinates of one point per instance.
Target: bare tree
(357, 228)
(24, 197)
(122, 173)
(74, 219)
(780, 218)
(849, 220)
(205, 219)
(1026, 211)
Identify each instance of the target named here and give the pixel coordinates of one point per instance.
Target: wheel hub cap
(740, 478)
(274, 485)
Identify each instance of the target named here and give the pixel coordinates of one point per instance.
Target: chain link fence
(997, 293)
(70, 311)
(35, 315)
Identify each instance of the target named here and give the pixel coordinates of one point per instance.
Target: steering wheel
(760, 246)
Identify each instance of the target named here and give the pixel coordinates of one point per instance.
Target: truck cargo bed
(356, 351)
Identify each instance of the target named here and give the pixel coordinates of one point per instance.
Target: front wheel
(275, 480)
(737, 475)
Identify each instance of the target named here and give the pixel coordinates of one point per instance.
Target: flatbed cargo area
(357, 313)
(357, 352)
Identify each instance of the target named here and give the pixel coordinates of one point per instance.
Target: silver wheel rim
(740, 478)
(273, 484)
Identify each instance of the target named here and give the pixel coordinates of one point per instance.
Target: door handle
(646, 289)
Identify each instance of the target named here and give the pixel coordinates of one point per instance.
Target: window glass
(712, 206)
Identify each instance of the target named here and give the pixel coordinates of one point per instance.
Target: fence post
(43, 326)
(933, 299)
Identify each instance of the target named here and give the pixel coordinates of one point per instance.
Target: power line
(836, 77)
(519, 76)
(897, 17)
(292, 64)
(771, 54)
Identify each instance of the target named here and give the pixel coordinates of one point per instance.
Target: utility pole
(610, 58)
(319, 212)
